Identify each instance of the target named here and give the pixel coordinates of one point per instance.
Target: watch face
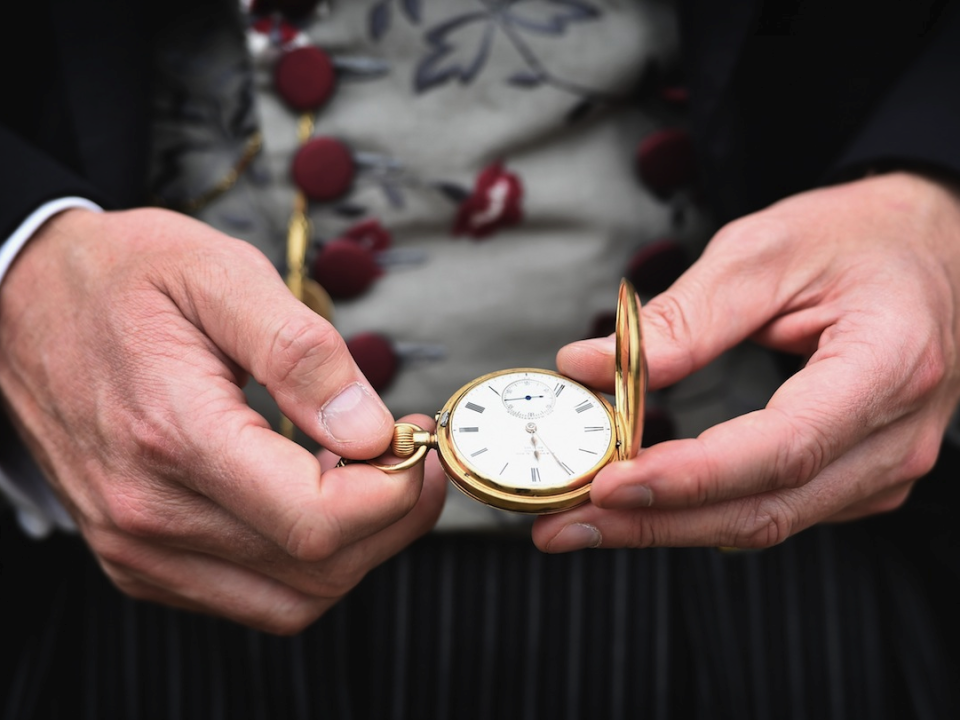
(531, 431)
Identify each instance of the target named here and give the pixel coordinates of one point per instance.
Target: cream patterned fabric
(429, 95)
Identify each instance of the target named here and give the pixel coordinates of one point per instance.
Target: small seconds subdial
(528, 399)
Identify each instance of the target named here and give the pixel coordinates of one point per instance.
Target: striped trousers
(844, 621)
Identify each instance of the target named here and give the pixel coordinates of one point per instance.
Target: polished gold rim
(631, 373)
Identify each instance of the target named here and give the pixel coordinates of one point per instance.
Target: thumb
(721, 300)
(240, 302)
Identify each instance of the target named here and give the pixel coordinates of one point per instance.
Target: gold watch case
(624, 423)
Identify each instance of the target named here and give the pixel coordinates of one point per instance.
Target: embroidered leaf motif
(411, 9)
(526, 79)
(453, 192)
(459, 49)
(580, 111)
(550, 17)
(394, 195)
(379, 19)
(350, 210)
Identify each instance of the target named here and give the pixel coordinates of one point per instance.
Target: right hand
(125, 340)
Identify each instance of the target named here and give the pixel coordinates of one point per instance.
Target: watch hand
(525, 397)
(559, 461)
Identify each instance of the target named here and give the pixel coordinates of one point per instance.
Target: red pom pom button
(370, 234)
(656, 266)
(324, 169)
(345, 269)
(305, 78)
(665, 161)
(375, 357)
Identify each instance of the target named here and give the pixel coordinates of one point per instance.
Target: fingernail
(629, 496)
(355, 414)
(576, 536)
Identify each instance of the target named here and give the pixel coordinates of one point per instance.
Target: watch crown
(407, 438)
(403, 445)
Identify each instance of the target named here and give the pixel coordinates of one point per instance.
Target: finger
(235, 296)
(841, 397)
(202, 583)
(709, 309)
(195, 524)
(813, 419)
(276, 487)
(882, 502)
(346, 568)
(757, 521)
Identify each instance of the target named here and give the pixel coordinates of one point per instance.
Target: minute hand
(553, 454)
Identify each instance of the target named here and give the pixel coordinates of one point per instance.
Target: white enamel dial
(531, 431)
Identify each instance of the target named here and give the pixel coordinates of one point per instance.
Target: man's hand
(864, 280)
(125, 339)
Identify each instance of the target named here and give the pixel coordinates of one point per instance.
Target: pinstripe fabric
(836, 623)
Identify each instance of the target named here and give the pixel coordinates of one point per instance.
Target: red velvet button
(283, 29)
(305, 78)
(370, 234)
(658, 426)
(345, 269)
(375, 357)
(655, 267)
(675, 94)
(665, 161)
(323, 168)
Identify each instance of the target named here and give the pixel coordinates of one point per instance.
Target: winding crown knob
(403, 444)
(408, 438)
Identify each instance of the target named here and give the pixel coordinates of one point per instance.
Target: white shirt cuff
(38, 509)
(15, 243)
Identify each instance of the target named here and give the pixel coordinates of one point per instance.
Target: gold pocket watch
(530, 440)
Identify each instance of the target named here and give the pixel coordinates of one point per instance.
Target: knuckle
(930, 371)
(154, 442)
(133, 514)
(305, 346)
(891, 501)
(667, 313)
(288, 618)
(921, 458)
(129, 585)
(756, 236)
(310, 540)
(763, 524)
(643, 531)
(801, 458)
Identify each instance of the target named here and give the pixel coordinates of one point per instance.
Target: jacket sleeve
(29, 178)
(916, 124)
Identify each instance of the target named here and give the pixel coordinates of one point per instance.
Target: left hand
(863, 279)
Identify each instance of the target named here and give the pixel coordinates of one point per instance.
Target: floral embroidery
(381, 15)
(494, 204)
(459, 47)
